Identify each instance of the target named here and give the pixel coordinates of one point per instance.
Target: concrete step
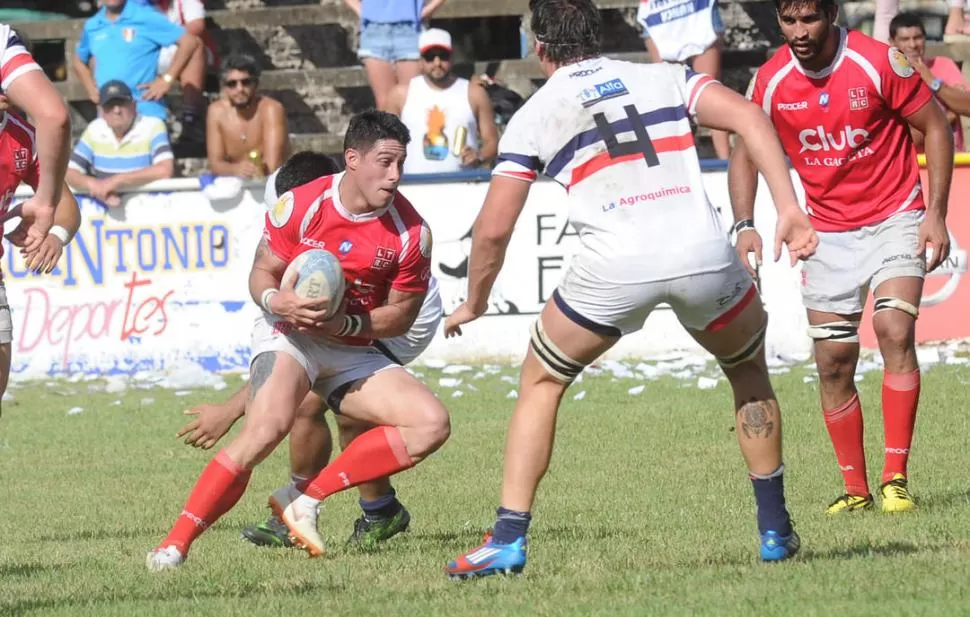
(322, 12)
(355, 77)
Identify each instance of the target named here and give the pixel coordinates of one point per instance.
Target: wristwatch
(936, 84)
(167, 78)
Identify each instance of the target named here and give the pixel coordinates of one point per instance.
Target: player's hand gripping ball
(317, 274)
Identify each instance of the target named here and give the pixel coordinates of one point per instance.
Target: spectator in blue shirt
(123, 41)
(389, 41)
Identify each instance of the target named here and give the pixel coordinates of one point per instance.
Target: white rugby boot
(299, 513)
(164, 558)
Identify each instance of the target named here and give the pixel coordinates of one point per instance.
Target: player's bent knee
(431, 430)
(836, 332)
(313, 408)
(557, 364)
(750, 350)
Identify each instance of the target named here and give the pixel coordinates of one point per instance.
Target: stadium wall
(163, 281)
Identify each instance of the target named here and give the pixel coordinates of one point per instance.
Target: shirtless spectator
(246, 133)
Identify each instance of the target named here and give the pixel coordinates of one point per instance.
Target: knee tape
(748, 351)
(888, 302)
(836, 331)
(556, 363)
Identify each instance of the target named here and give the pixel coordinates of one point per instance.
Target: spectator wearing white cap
(450, 119)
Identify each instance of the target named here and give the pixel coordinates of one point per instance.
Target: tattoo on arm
(756, 419)
(260, 371)
(262, 249)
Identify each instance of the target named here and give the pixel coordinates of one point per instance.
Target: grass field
(646, 511)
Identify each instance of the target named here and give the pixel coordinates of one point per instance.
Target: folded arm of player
(44, 257)
(395, 318)
(392, 319)
(34, 93)
(281, 300)
(719, 107)
(490, 238)
(930, 120)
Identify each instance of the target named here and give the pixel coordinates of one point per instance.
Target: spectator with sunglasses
(246, 134)
(450, 119)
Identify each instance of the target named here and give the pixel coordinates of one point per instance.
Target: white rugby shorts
(328, 366)
(6, 320)
(837, 278)
(704, 301)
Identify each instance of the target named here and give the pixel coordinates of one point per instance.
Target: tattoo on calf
(260, 371)
(756, 419)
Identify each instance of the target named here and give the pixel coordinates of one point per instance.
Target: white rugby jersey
(15, 60)
(617, 136)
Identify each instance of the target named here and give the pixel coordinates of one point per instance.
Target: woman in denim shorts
(389, 40)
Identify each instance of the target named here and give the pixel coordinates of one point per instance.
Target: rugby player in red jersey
(843, 104)
(19, 165)
(26, 86)
(384, 247)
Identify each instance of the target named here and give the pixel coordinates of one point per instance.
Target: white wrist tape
(352, 326)
(266, 297)
(61, 234)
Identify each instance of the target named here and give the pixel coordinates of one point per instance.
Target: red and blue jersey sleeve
(518, 152)
(15, 60)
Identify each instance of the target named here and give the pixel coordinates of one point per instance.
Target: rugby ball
(316, 273)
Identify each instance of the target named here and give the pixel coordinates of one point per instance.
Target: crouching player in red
(311, 442)
(843, 105)
(384, 248)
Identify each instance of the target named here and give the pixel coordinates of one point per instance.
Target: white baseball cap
(434, 37)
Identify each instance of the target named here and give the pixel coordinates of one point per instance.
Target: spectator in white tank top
(451, 120)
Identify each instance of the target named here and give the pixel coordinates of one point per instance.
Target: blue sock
(384, 506)
(769, 493)
(510, 526)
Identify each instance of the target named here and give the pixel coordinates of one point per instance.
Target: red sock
(845, 429)
(900, 397)
(377, 453)
(220, 486)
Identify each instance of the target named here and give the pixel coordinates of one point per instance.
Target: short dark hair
(829, 7)
(304, 167)
(568, 30)
(369, 127)
(240, 62)
(906, 20)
